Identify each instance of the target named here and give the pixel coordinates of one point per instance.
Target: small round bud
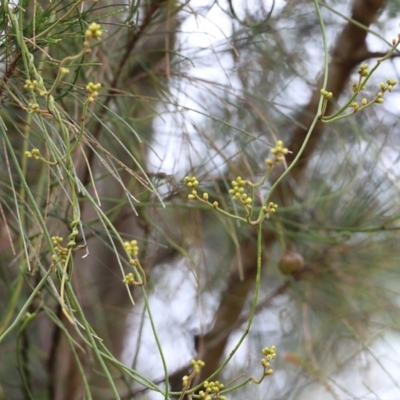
(269, 372)
(291, 262)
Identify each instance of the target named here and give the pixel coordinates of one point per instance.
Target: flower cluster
(93, 90)
(238, 192)
(212, 389)
(363, 71)
(129, 279)
(31, 84)
(390, 83)
(34, 85)
(269, 353)
(388, 86)
(197, 366)
(132, 248)
(94, 31)
(278, 152)
(270, 208)
(35, 153)
(326, 95)
(33, 107)
(383, 87)
(192, 183)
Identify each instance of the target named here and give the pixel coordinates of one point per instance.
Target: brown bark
(212, 345)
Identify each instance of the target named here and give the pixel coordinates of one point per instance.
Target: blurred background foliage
(205, 90)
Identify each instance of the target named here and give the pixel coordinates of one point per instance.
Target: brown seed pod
(291, 262)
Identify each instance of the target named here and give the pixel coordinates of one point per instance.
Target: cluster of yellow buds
(192, 183)
(237, 188)
(238, 192)
(326, 95)
(185, 381)
(379, 98)
(93, 32)
(132, 248)
(61, 251)
(278, 152)
(93, 90)
(33, 107)
(129, 279)
(31, 84)
(197, 365)
(270, 208)
(388, 86)
(269, 353)
(279, 149)
(390, 83)
(363, 71)
(354, 105)
(212, 389)
(35, 153)
(34, 85)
